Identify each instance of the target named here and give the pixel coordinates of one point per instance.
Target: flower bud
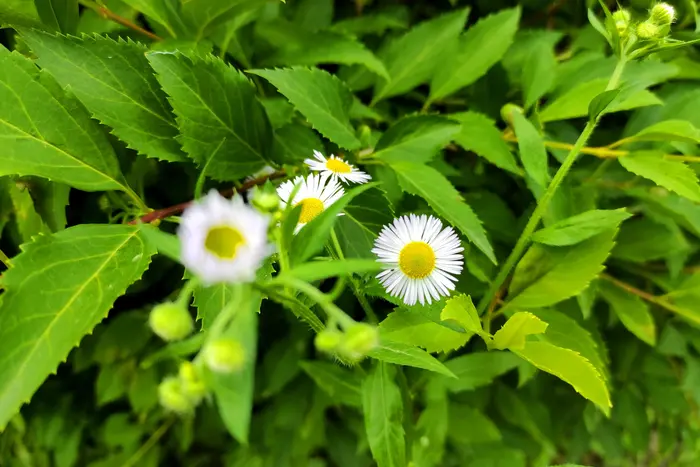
(662, 14)
(172, 397)
(192, 385)
(328, 341)
(359, 340)
(648, 30)
(507, 113)
(264, 200)
(622, 19)
(170, 321)
(224, 356)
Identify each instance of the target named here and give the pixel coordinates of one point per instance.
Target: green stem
(543, 204)
(186, 292)
(331, 309)
(155, 437)
(237, 302)
(4, 259)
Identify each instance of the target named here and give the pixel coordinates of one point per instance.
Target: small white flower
(336, 168)
(222, 240)
(421, 258)
(315, 194)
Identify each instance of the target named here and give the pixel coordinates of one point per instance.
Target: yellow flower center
(310, 208)
(417, 260)
(223, 241)
(338, 166)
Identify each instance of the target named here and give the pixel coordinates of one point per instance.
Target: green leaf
(671, 174)
(19, 13)
(412, 58)
(234, 391)
(60, 287)
(514, 332)
(533, 155)
(163, 12)
(313, 236)
(294, 143)
(165, 243)
(480, 48)
(343, 385)
(644, 239)
(538, 73)
(383, 411)
(202, 15)
(29, 222)
(478, 369)
(461, 310)
(364, 217)
(632, 311)
(575, 102)
(60, 15)
(416, 138)
(408, 355)
(602, 102)
(369, 24)
(570, 367)
(668, 130)
(121, 91)
(480, 135)
(317, 270)
(548, 275)
(433, 426)
(51, 201)
(581, 227)
(49, 134)
(417, 329)
(429, 184)
(211, 300)
(320, 97)
(211, 130)
(469, 426)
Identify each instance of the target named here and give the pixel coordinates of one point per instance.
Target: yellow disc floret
(417, 260)
(223, 241)
(310, 208)
(338, 166)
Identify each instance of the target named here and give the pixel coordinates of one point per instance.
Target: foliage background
(403, 89)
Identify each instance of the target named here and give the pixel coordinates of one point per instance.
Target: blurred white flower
(336, 168)
(315, 194)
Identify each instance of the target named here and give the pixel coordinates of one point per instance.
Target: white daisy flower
(421, 258)
(315, 194)
(336, 168)
(222, 240)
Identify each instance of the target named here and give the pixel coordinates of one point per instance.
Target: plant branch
(112, 16)
(163, 213)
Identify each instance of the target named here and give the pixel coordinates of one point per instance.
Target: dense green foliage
(560, 140)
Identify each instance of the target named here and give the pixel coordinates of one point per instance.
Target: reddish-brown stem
(160, 214)
(112, 16)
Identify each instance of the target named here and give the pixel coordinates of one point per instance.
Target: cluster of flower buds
(656, 27)
(171, 321)
(182, 393)
(352, 345)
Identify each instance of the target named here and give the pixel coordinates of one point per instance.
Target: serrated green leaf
(59, 15)
(538, 73)
(480, 135)
(317, 270)
(19, 13)
(478, 369)
(408, 355)
(364, 218)
(369, 24)
(382, 407)
(321, 97)
(571, 367)
(211, 300)
(416, 138)
(294, 143)
(671, 174)
(29, 222)
(580, 227)
(481, 47)
(51, 200)
(343, 385)
(411, 59)
(412, 328)
(49, 134)
(164, 12)
(514, 332)
(116, 84)
(461, 310)
(548, 275)
(429, 184)
(668, 130)
(202, 15)
(632, 311)
(60, 287)
(533, 154)
(215, 125)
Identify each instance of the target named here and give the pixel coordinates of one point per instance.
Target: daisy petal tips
(421, 259)
(315, 194)
(223, 240)
(337, 169)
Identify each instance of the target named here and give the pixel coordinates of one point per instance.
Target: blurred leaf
(317, 270)
(294, 143)
(580, 227)
(470, 426)
(432, 425)
(59, 15)
(382, 407)
(202, 15)
(416, 138)
(643, 239)
(538, 73)
(632, 311)
(29, 222)
(19, 13)
(671, 174)
(668, 130)
(364, 218)
(533, 155)
(412, 328)
(369, 24)
(51, 202)
(478, 369)
(408, 355)
(515, 331)
(480, 135)
(164, 12)
(341, 384)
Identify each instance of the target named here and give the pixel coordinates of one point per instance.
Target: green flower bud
(662, 14)
(328, 341)
(170, 321)
(172, 396)
(621, 18)
(224, 356)
(648, 30)
(359, 340)
(265, 200)
(507, 113)
(192, 385)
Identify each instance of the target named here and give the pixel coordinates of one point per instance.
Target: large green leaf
(412, 58)
(671, 174)
(432, 186)
(202, 15)
(478, 369)
(533, 154)
(580, 227)
(383, 410)
(481, 47)
(669, 130)
(415, 138)
(418, 329)
(223, 126)
(60, 287)
(547, 275)
(122, 91)
(294, 143)
(321, 97)
(632, 311)
(515, 331)
(49, 134)
(480, 135)
(364, 218)
(408, 355)
(60, 15)
(19, 13)
(570, 367)
(343, 385)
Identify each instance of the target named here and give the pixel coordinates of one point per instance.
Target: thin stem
(112, 16)
(155, 437)
(4, 259)
(599, 171)
(543, 203)
(331, 309)
(186, 292)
